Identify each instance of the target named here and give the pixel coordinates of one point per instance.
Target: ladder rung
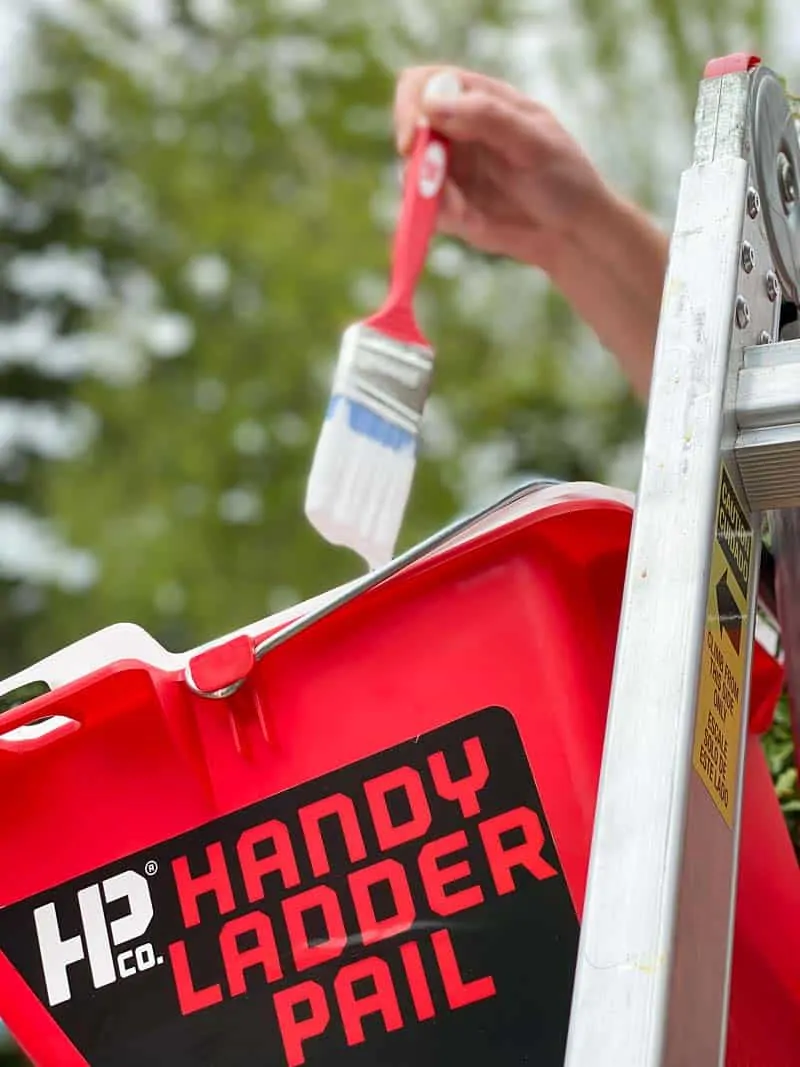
(768, 420)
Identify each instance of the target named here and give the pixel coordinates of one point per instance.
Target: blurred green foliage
(239, 191)
(779, 747)
(222, 177)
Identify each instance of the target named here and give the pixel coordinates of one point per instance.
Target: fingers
(452, 208)
(410, 107)
(481, 118)
(458, 218)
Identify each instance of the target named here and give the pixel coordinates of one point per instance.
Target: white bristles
(358, 489)
(363, 467)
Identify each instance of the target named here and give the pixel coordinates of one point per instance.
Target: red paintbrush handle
(424, 181)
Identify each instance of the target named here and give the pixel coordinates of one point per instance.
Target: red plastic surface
(424, 181)
(767, 683)
(525, 617)
(736, 63)
(223, 665)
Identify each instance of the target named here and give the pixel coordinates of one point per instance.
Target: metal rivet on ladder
(773, 286)
(764, 338)
(787, 181)
(753, 203)
(748, 257)
(742, 312)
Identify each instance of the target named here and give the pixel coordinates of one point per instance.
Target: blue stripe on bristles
(367, 423)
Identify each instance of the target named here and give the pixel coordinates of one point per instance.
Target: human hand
(519, 185)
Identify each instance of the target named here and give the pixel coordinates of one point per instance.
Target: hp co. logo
(113, 949)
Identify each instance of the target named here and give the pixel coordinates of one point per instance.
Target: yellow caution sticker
(720, 699)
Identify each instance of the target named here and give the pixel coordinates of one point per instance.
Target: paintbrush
(365, 458)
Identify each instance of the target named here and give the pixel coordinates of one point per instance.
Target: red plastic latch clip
(737, 63)
(222, 666)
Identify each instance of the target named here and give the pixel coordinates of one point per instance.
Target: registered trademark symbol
(151, 868)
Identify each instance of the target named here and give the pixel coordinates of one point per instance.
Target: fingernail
(444, 85)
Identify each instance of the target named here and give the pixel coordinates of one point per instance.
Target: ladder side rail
(653, 966)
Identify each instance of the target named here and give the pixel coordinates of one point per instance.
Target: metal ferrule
(391, 378)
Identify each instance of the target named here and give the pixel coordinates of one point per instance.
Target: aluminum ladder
(721, 460)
